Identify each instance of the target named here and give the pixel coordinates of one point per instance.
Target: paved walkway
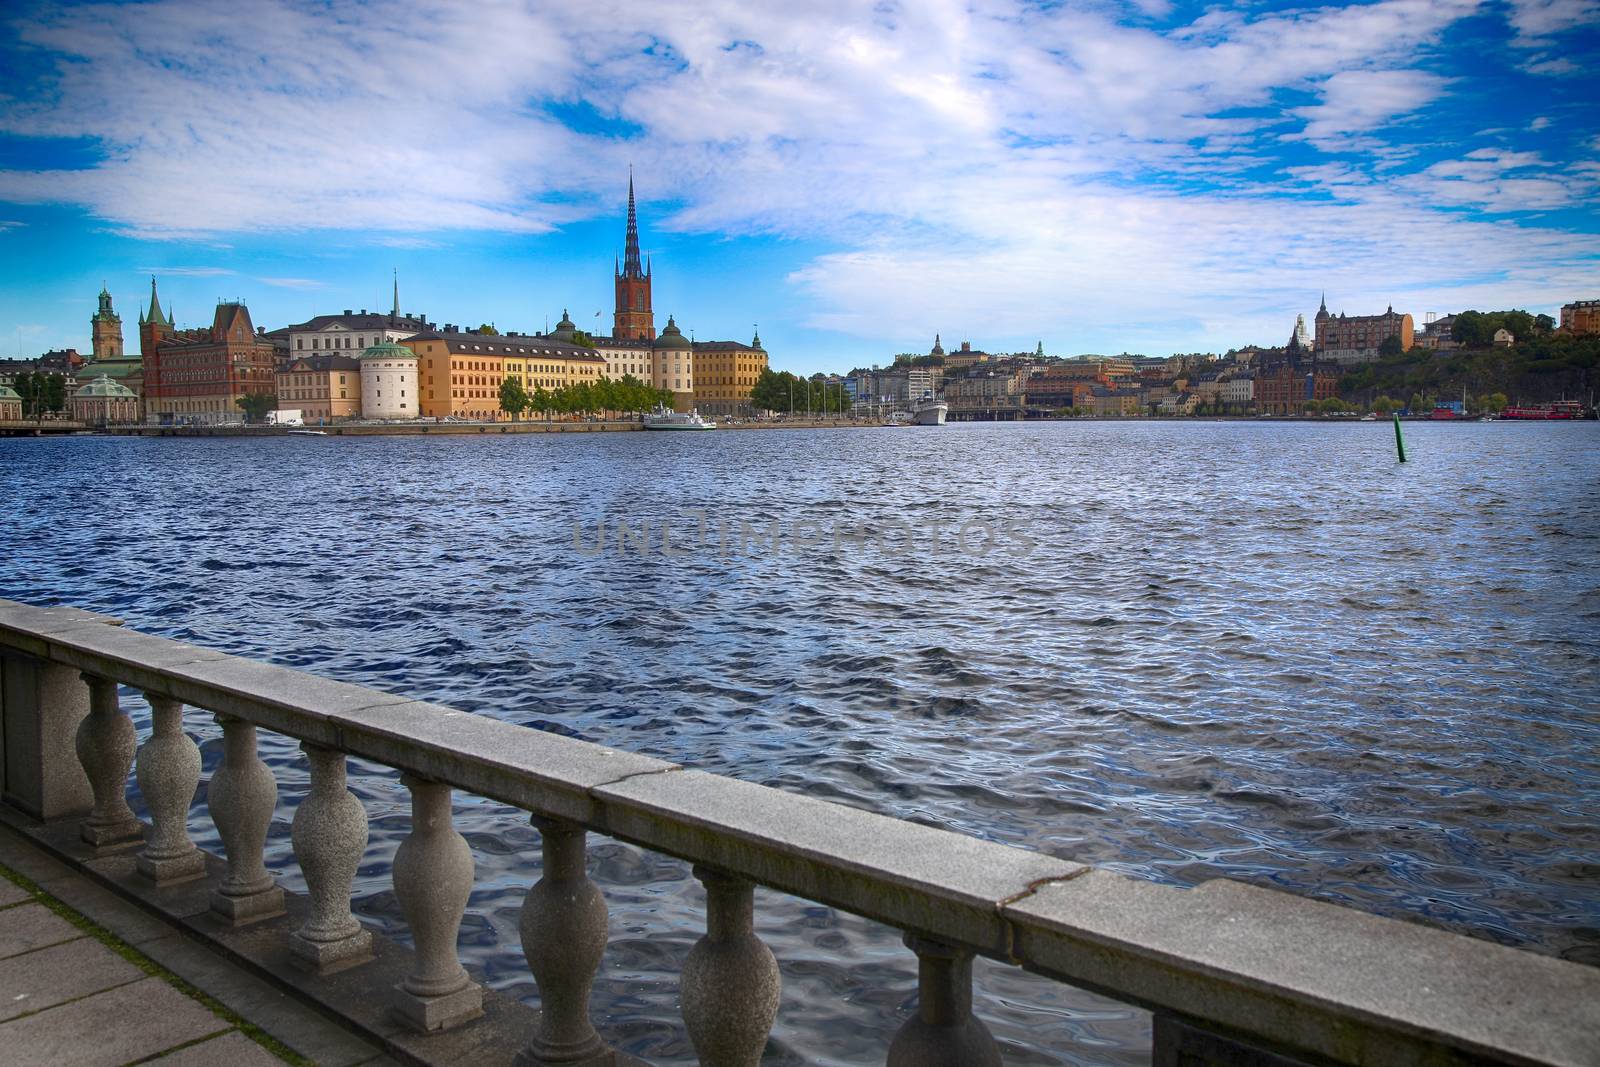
(90, 980)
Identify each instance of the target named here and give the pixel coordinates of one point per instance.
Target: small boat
(1369, 417)
(898, 418)
(309, 433)
(662, 419)
(930, 411)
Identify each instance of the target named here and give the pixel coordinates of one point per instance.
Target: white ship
(930, 411)
(662, 419)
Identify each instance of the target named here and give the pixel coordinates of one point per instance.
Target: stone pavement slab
(11, 894)
(118, 1026)
(30, 926)
(46, 977)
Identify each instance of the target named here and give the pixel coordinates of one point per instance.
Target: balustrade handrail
(1295, 975)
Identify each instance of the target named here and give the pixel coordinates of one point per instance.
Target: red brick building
(199, 375)
(1289, 378)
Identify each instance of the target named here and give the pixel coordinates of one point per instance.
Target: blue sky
(854, 177)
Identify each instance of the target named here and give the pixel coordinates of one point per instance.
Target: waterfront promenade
(1232, 973)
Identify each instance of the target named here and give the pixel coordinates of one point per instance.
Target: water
(1262, 651)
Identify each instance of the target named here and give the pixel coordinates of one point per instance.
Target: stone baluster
(944, 1032)
(105, 743)
(243, 795)
(564, 933)
(433, 879)
(730, 980)
(168, 769)
(330, 836)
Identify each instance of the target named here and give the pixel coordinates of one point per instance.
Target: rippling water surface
(1182, 651)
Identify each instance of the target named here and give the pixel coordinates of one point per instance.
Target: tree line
(625, 394)
(42, 393)
(786, 392)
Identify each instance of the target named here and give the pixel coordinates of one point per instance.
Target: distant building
(325, 387)
(1437, 336)
(352, 332)
(965, 356)
(1581, 317)
(103, 402)
(1345, 339)
(1288, 379)
(1503, 338)
(459, 372)
(724, 374)
(105, 330)
(199, 375)
(389, 382)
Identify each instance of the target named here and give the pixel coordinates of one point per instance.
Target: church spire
(395, 312)
(154, 313)
(630, 257)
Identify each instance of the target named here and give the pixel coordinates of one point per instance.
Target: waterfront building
(459, 373)
(674, 365)
(199, 375)
(1346, 339)
(724, 374)
(105, 330)
(1099, 400)
(352, 332)
(389, 382)
(103, 402)
(1580, 317)
(1239, 391)
(986, 396)
(325, 387)
(10, 405)
(110, 360)
(1289, 378)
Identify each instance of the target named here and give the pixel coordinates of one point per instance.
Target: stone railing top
(1323, 979)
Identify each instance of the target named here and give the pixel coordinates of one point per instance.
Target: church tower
(634, 321)
(106, 330)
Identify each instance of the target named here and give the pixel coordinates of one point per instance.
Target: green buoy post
(1399, 441)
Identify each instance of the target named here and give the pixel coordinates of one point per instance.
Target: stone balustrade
(1232, 973)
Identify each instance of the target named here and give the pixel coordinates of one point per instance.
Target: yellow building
(324, 388)
(459, 374)
(724, 374)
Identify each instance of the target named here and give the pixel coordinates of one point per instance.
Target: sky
(854, 178)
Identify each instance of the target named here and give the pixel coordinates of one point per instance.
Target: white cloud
(293, 283)
(1540, 123)
(990, 160)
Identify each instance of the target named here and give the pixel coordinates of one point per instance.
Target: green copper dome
(8, 393)
(387, 350)
(672, 337)
(104, 388)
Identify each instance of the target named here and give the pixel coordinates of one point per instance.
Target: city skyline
(1152, 178)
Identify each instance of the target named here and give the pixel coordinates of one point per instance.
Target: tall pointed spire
(631, 267)
(395, 312)
(154, 313)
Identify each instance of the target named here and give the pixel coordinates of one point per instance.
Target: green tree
(1391, 346)
(582, 339)
(55, 392)
(1471, 329)
(1543, 324)
(513, 397)
(256, 405)
(488, 330)
(1496, 403)
(541, 401)
(1383, 405)
(1414, 405)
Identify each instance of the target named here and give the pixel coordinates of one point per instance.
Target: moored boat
(662, 419)
(930, 411)
(1556, 409)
